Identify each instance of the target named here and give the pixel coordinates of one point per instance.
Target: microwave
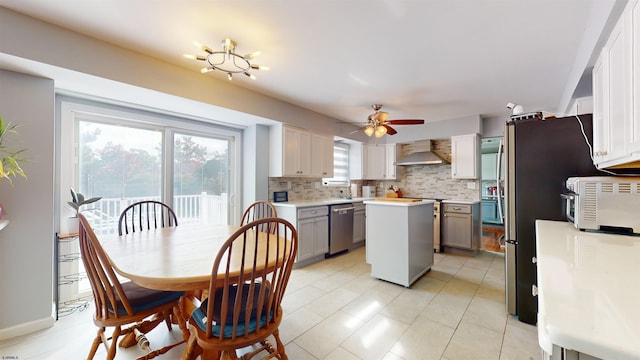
(603, 203)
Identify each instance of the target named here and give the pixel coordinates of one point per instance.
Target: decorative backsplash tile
(424, 181)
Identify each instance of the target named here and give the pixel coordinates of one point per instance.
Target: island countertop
(588, 291)
(398, 202)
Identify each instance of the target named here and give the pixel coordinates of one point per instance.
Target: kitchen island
(399, 239)
(588, 292)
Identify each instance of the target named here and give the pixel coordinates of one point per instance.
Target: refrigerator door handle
(498, 168)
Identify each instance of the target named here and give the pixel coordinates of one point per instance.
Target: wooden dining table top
(172, 258)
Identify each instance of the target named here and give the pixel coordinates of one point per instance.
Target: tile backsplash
(425, 181)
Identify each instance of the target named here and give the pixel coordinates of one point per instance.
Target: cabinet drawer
(313, 212)
(457, 208)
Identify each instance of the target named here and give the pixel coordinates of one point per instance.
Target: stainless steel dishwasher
(340, 228)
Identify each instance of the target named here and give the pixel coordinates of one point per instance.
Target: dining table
(178, 258)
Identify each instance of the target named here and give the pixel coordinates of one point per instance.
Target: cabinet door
(291, 149)
(375, 162)
(321, 156)
(457, 230)
(306, 233)
(634, 33)
(600, 122)
(391, 170)
(465, 151)
(617, 109)
(304, 149)
(359, 227)
(321, 235)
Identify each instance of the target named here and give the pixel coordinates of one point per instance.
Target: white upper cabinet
(321, 156)
(616, 88)
(379, 161)
(465, 153)
(294, 152)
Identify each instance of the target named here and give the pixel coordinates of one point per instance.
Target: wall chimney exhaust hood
(420, 154)
(421, 158)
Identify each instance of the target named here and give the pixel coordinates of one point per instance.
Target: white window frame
(336, 180)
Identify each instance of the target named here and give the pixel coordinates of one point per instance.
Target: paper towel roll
(355, 190)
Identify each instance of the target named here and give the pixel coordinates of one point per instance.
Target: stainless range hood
(422, 155)
(421, 158)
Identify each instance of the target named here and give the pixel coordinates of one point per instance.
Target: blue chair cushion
(142, 298)
(200, 313)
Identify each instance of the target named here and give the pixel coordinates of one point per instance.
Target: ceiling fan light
(369, 130)
(380, 131)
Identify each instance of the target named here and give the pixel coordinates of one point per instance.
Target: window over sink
(340, 166)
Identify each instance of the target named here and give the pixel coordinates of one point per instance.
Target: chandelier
(227, 60)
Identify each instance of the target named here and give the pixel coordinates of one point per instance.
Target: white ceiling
(429, 59)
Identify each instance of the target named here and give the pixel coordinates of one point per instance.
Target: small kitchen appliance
(604, 203)
(368, 191)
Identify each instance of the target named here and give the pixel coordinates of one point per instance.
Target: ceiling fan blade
(406, 122)
(358, 129)
(390, 130)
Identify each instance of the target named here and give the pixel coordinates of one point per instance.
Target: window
(127, 155)
(340, 166)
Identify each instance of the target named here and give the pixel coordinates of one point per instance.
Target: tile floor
(334, 310)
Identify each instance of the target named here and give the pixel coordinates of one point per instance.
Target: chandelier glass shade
(227, 60)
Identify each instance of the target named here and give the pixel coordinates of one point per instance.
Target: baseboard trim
(26, 328)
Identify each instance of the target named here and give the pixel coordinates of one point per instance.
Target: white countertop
(319, 202)
(459, 202)
(588, 291)
(398, 203)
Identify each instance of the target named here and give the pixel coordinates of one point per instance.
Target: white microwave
(605, 203)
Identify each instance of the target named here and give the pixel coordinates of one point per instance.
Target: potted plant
(9, 159)
(78, 200)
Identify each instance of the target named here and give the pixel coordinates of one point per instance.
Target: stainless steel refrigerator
(539, 156)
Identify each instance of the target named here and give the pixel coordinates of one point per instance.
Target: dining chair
(119, 304)
(146, 215)
(258, 210)
(248, 281)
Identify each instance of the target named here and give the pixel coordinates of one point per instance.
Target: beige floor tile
(392, 356)
(373, 300)
(471, 341)
(301, 298)
(442, 272)
(487, 313)
(362, 283)
(520, 341)
(296, 352)
(375, 338)
(332, 301)
(328, 334)
(334, 280)
(447, 308)
(424, 340)
(471, 274)
(297, 323)
(341, 354)
(454, 261)
(407, 306)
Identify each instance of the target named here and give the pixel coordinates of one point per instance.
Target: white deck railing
(190, 209)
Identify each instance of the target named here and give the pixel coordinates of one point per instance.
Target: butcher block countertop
(588, 291)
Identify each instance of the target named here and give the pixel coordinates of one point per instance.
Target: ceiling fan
(378, 123)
